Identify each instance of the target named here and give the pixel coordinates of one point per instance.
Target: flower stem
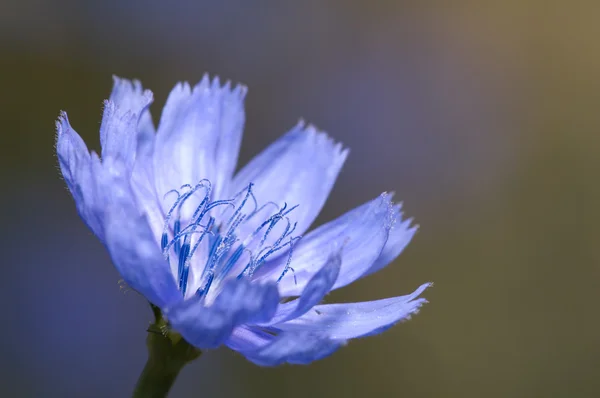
(167, 355)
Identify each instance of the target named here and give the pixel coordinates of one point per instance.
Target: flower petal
(362, 232)
(299, 169)
(314, 292)
(348, 321)
(75, 164)
(199, 136)
(240, 302)
(136, 256)
(129, 95)
(123, 112)
(129, 135)
(299, 348)
(227, 151)
(73, 155)
(142, 184)
(401, 233)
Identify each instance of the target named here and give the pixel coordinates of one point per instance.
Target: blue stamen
(224, 245)
(223, 257)
(164, 241)
(184, 233)
(185, 249)
(235, 256)
(287, 265)
(272, 224)
(211, 222)
(170, 192)
(285, 271)
(213, 247)
(261, 208)
(239, 208)
(201, 292)
(183, 282)
(271, 250)
(176, 231)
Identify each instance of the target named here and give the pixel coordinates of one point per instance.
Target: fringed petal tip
(239, 90)
(127, 100)
(406, 224)
(124, 118)
(420, 301)
(212, 86)
(414, 295)
(415, 302)
(323, 141)
(400, 234)
(64, 129)
(395, 214)
(71, 150)
(62, 123)
(127, 88)
(120, 83)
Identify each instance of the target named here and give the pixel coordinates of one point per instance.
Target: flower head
(222, 253)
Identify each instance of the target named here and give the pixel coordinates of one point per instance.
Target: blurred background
(482, 117)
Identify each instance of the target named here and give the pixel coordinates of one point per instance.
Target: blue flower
(220, 253)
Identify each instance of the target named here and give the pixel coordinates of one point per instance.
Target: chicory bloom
(222, 253)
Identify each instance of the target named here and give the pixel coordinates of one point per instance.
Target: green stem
(167, 355)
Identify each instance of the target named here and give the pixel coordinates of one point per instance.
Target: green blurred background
(482, 116)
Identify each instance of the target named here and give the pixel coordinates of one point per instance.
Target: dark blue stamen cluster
(225, 246)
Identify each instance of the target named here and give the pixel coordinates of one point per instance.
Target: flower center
(224, 235)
